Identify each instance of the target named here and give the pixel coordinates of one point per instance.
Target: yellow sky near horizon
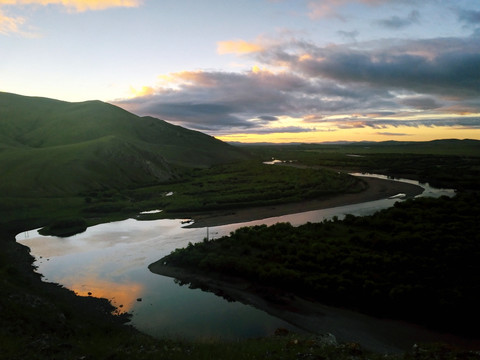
(405, 133)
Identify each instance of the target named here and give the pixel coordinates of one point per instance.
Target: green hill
(51, 147)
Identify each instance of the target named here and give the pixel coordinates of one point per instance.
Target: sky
(257, 70)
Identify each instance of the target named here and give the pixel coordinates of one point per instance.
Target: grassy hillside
(51, 147)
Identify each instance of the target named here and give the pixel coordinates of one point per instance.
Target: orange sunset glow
(121, 295)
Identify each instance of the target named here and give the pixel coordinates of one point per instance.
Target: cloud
(237, 47)
(386, 133)
(395, 22)
(10, 24)
(77, 5)
(469, 17)
(13, 25)
(420, 102)
(349, 123)
(469, 122)
(440, 66)
(326, 8)
(215, 100)
(143, 91)
(378, 84)
(200, 116)
(320, 9)
(210, 100)
(267, 118)
(279, 130)
(349, 35)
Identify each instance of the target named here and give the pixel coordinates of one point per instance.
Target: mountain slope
(51, 147)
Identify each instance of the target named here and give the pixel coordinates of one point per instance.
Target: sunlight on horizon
(359, 134)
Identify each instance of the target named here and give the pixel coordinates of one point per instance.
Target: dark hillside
(51, 147)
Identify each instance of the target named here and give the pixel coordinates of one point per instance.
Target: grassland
(442, 163)
(249, 184)
(54, 148)
(200, 191)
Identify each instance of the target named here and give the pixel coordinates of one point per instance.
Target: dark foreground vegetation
(417, 261)
(45, 321)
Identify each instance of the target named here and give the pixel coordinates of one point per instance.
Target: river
(110, 260)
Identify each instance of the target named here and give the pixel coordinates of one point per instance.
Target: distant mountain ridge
(439, 142)
(51, 147)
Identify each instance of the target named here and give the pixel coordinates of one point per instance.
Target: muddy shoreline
(375, 334)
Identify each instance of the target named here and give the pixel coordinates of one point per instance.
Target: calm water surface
(110, 260)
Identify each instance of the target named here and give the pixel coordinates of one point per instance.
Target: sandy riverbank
(376, 189)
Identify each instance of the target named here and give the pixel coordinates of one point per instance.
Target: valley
(103, 164)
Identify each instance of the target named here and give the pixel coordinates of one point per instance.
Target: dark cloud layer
(387, 133)
(470, 17)
(395, 22)
(441, 72)
(349, 35)
(375, 78)
(421, 102)
(201, 116)
(223, 100)
(277, 130)
(267, 118)
(472, 123)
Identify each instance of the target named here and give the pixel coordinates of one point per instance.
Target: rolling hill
(50, 147)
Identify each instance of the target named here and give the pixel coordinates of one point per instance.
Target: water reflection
(428, 191)
(122, 295)
(110, 260)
